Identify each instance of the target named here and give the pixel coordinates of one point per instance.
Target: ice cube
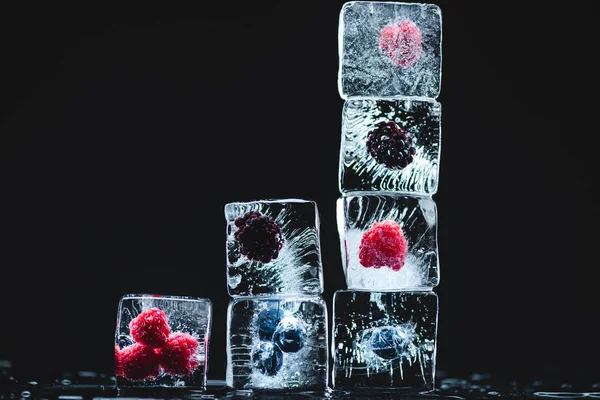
(273, 246)
(384, 340)
(390, 145)
(389, 49)
(388, 241)
(277, 342)
(162, 341)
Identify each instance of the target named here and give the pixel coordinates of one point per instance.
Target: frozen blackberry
(259, 237)
(390, 145)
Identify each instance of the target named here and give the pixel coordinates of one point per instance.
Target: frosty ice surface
(277, 343)
(273, 246)
(384, 340)
(388, 240)
(162, 341)
(389, 49)
(390, 145)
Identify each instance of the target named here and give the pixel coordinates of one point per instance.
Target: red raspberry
(151, 328)
(136, 362)
(383, 245)
(402, 43)
(178, 356)
(118, 362)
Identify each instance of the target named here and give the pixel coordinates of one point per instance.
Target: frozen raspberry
(178, 356)
(151, 327)
(259, 237)
(390, 145)
(118, 362)
(402, 43)
(383, 245)
(136, 362)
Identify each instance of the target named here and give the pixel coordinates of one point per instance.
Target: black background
(125, 131)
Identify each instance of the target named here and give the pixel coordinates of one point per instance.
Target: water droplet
(25, 394)
(32, 383)
(493, 393)
(65, 382)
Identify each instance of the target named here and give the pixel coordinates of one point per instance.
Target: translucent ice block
(277, 343)
(273, 246)
(388, 241)
(390, 145)
(389, 49)
(162, 341)
(384, 340)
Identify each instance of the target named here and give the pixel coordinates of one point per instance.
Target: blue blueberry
(267, 322)
(387, 342)
(290, 335)
(267, 358)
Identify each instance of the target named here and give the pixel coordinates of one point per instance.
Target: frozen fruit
(178, 356)
(150, 327)
(118, 368)
(388, 343)
(267, 321)
(259, 237)
(136, 362)
(383, 245)
(290, 335)
(390, 145)
(267, 358)
(402, 43)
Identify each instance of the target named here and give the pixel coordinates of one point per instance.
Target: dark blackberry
(390, 145)
(259, 237)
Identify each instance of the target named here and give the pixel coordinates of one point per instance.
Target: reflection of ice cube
(356, 214)
(360, 170)
(297, 267)
(368, 69)
(300, 328)
(383, 340)
(187, 315)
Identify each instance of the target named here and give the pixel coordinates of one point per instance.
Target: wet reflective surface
(86, 385)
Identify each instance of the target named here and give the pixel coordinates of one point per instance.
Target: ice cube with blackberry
(273, 246)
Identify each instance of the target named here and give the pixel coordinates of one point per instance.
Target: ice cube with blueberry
(390, 145)
(273, 246)
(388, 241)
(162, 341)
(384, 340)
(389, 49)
(277, 343)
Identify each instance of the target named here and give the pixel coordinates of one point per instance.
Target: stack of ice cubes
(385, 323)
(277, 336)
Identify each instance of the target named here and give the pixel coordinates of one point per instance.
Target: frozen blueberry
(267, 358)
(267, 322)
(290, 335)
(387, 343)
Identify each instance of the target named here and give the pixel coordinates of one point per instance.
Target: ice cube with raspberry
(388, 240)
(162, 341)
(389, 49)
